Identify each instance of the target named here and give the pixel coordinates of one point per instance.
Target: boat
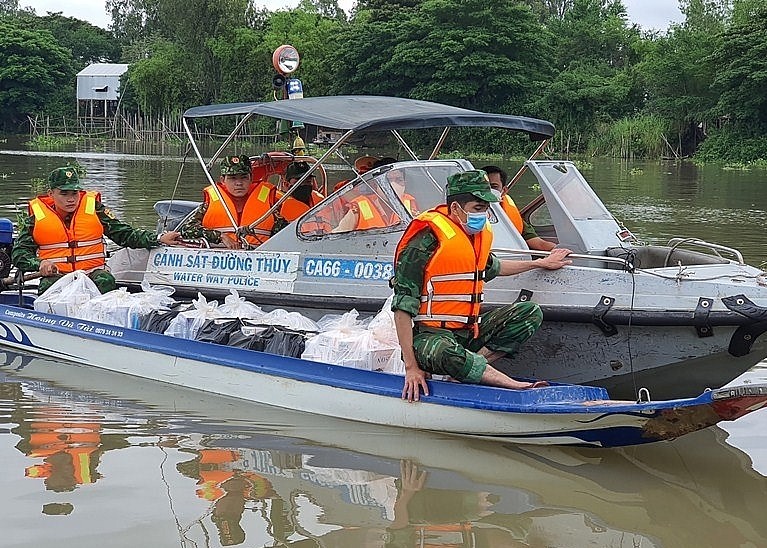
(673, 319)
(560, 414)
(598, 497)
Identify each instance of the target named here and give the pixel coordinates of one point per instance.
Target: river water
(92, 458)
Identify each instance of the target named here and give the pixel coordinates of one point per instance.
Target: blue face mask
(475, 222)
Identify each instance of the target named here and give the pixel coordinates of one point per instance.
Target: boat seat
(655, 256)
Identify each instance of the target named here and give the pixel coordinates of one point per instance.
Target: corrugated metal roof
(103, 69)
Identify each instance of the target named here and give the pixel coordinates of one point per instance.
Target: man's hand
(415, 381)
(170, 238)
(231, 243)
(557, 259)
(48, 268)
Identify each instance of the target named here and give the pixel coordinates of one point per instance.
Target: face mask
(496, 193)
(475, 222)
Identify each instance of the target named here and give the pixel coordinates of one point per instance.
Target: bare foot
(539, 384)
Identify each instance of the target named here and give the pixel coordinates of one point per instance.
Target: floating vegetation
(52, 141)
(736, 166)
(583, 165)
(636, 171)
(39, 185)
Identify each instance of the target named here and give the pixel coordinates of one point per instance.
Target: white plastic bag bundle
(124, 309)
(385, 334)
(382, 325)
(150, 299)
(348, 347)
(344, 322)
(344, 340)
(237, 307)
(111, 308)
(188, 323)
(68, 296)
(291, 320)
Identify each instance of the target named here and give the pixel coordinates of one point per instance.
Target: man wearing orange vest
(396, 178)
(65, 232)
(237, 199)
(441, 264)
(301, 200)
(498, 180)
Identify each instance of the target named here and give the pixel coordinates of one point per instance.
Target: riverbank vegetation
(610, 87)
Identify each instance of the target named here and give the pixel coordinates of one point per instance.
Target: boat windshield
(385, 198)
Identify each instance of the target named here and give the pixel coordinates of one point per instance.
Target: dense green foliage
(610, 87)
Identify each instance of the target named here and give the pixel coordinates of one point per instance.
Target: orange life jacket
(76, 439)
(511, 210)
(81, 466)
(410, 204)
(370, 216)
(292, 208)
(261, 197)
(451, 295)
(319, 223)
(77, 247)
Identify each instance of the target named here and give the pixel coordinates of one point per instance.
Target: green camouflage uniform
(194, 230)
(24, 254)
(454, 351)
(528, 232)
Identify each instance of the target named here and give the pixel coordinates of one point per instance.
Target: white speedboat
(674, 319)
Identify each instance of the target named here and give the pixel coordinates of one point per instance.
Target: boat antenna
(175, 187)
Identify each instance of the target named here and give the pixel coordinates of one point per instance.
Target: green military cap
(295, 170)
(474, 182)
(235, 165)
(64, 178)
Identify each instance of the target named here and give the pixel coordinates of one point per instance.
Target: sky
(649, 14)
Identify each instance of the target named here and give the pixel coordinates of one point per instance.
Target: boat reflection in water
(134, 462)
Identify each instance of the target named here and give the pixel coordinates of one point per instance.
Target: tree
(33, 68)
(596, 54)
(133, 20)
(243, 61)
(159, 83)
(88, 43)
(741, 77)
(677, 71)
(9, 7)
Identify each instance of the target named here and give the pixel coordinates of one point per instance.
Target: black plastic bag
(158, 320)
(272, 339)
(218, 331)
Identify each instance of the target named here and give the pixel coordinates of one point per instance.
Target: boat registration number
(348, 268)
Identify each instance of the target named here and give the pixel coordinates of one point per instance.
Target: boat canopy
(376, 113)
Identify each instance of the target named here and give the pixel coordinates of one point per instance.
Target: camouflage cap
(64, 178)
(474, 182)
(295, 170)
(235, 165)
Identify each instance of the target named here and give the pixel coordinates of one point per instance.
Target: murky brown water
(92, 458)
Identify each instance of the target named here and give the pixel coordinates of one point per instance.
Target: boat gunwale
(541, 400)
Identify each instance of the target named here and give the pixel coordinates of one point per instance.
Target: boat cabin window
(385, 198)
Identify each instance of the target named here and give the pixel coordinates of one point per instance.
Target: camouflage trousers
(454, 351)
(102, 278)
